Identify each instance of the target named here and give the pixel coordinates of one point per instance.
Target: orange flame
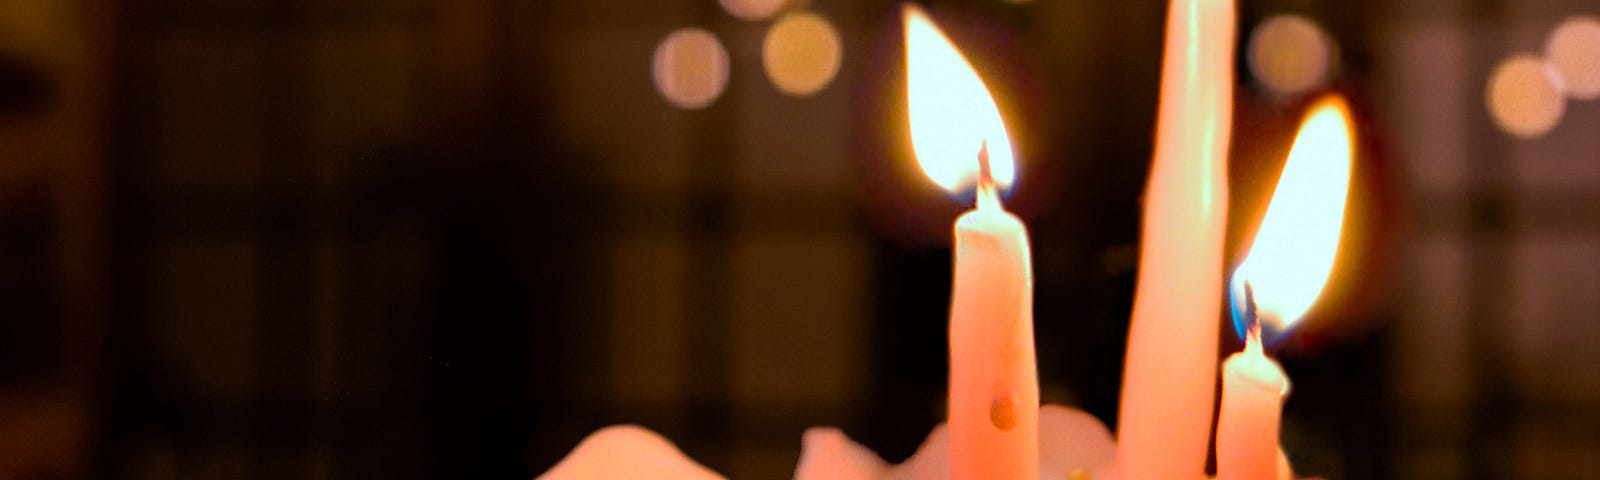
(1293, 252)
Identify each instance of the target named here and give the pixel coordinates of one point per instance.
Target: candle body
(1247, 425)
(994, 386)
(1170, 372)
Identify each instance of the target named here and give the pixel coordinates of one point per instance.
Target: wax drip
(1003, 413)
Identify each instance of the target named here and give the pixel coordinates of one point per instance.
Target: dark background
(447, 239)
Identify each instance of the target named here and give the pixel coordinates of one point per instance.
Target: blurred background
(447, 239)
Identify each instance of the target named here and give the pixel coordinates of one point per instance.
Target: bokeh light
(754, 10)
(1289, 54)
(690, 68)
(801, 53)
(1573, 50)
(1525, 96)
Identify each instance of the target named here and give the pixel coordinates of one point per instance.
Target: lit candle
(1167, 390)
(958, 137)
(1284, 273)
(1253, 387)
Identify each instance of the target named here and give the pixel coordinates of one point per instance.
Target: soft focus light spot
(1293, 251)
(1525, 96)
(801, 53)
(754, 9)
(1289, 55)
(1574, 52)
(690, 68)
(952, 113)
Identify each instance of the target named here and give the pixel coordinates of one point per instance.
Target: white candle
(994, 385)
(1170, 373)
(1253, 387)
(994, 388)
(1287, 267)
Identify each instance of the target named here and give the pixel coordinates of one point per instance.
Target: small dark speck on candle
(1002, 413)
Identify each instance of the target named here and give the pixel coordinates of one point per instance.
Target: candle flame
(1293, 252)
(953, 116)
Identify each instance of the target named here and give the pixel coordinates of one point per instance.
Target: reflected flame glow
(1293, 252)
(952, 112)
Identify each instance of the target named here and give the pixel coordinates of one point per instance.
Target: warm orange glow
(1525, 96)
(1293, 252)
(1574, 52)
(801, 53)
(952, 113)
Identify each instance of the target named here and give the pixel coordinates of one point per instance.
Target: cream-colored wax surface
(994, 386)
(627, 451)
(1247, 426)
(1170, 371)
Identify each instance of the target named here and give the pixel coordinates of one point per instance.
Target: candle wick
(1252, 322)
(986, 193)
(985, 177)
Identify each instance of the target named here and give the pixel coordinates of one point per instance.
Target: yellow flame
(1293, 252)
(952, 112)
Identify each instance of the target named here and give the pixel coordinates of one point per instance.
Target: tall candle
(1167, 391)
(958, 137)
(1287, 267)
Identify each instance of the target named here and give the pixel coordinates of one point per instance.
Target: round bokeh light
(1573, 50)
(1525, 96)
(690, 68)
(801, 53)
(1289, 54)
(753, 10)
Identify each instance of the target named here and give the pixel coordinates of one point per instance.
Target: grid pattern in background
(241, 353)
(52, 234)
(307, 290)
(1495, 366)
(738, 267)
